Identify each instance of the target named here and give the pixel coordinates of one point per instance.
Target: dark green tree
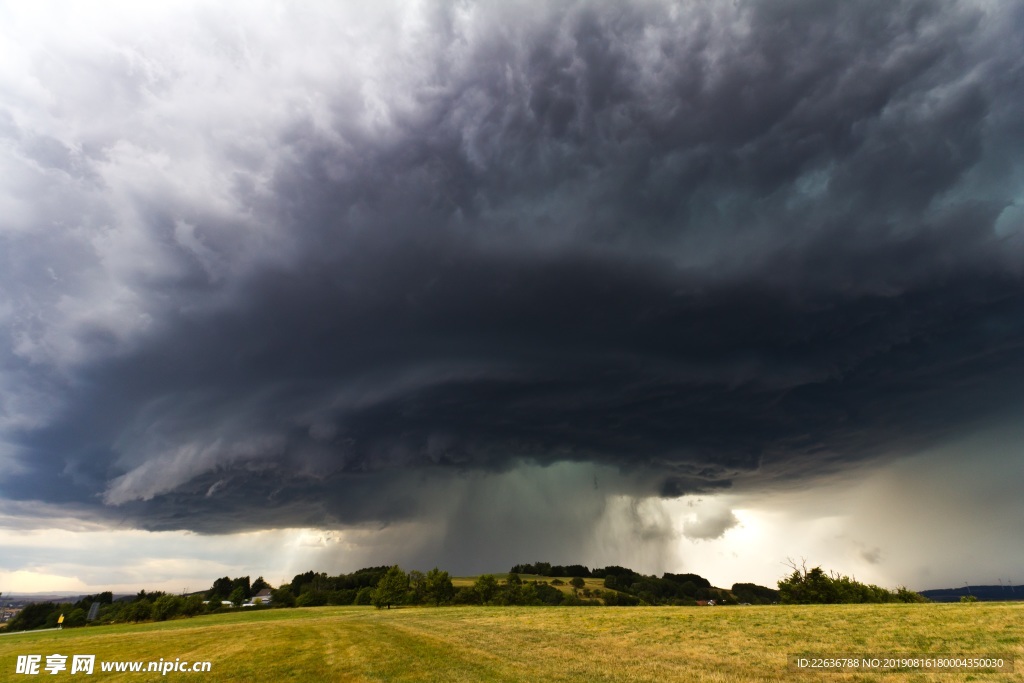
(755, 594)
(548, 595)
(417, 587)
(282, 597)
(392, 589)
(438, 586)
(75, 617)
(238, 595)
(243, 583)
(311, 599)
(513, 593)
(31, 617)
(486, 587)
(222, 586)
(139, 610)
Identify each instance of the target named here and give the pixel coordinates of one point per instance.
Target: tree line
(816, 587)
(539, 583)
(152, 606)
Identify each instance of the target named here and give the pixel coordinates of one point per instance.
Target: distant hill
(19, 598)
(986, 593)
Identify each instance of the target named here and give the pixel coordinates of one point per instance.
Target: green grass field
(721, 644)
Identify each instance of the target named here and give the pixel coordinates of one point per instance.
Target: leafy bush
(75, 617)
(613, 599)
(282, 597)
(903, 594)
(486, 587)
(140, 610)
(466, 595)
(311, 599)
(548, 595)
(192, 605)
(345, 596)
(165, 607)
(364, 596)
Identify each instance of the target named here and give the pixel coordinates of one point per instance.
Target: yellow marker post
(60, 622)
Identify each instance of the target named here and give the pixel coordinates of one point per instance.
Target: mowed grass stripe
(688, 644)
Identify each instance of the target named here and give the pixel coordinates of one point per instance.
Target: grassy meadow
(585, 644)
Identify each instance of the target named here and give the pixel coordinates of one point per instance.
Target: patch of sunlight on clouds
(756, 548)
(125, 560)
(28, 581)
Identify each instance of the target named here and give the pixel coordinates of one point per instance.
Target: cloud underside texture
(306, 273)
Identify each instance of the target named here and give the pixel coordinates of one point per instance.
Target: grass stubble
(570, 644)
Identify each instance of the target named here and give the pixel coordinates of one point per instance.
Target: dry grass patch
(688, 644)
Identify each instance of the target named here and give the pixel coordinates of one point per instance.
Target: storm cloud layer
(314, 267)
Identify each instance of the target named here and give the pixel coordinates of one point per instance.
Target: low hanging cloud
(316, 270)
(709, 525)
(871, 555)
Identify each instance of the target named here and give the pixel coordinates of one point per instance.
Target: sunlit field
(751, 643)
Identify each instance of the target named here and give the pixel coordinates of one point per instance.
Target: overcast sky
(677, 286)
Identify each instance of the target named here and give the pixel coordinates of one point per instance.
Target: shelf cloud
(269, 267)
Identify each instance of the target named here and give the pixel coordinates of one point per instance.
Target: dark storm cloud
(729, 243)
